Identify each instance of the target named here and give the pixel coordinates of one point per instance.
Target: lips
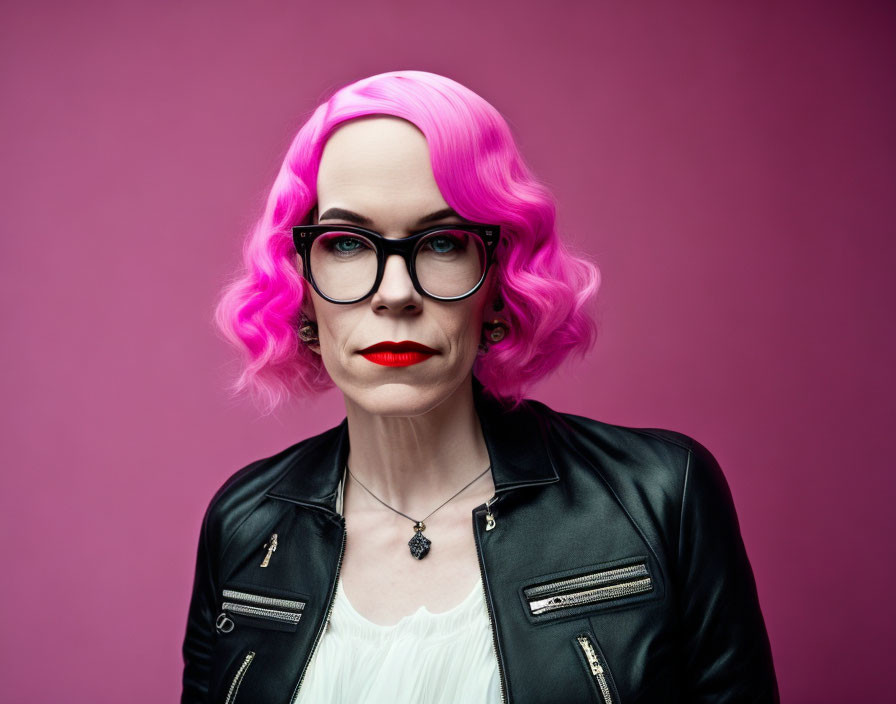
(397, 354)
(405, 346)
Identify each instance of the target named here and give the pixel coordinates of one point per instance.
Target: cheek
(332, 326)
(470, 329)
(332, 333)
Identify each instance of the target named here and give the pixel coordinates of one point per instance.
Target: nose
(396, 290)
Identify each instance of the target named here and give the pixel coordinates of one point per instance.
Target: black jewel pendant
(419, 544)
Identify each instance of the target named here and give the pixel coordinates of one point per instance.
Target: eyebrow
(342, 214)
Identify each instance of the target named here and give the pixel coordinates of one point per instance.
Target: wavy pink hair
(481, 174)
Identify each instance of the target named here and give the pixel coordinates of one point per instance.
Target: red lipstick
(397, 354)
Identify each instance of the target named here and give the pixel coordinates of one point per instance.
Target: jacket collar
(515, 440)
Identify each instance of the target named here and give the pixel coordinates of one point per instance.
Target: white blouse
(425, 658)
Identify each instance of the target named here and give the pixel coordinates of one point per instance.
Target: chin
(400, 398)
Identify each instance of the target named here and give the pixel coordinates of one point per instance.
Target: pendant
(419, 544)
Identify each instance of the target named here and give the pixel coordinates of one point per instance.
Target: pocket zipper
(238, 677)
(597, 668)
(285, 616)
(264, 600)
(289, 611)
(578, 591)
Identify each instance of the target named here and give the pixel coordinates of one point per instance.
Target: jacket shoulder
(243, 490)
(627, 455)
(618, 433)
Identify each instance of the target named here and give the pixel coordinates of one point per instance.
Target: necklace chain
(404, 514)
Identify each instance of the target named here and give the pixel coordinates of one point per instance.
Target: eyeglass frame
(304, 235)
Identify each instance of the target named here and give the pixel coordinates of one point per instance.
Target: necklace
(419, 544)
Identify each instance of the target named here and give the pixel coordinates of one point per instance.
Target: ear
(307, 307)
(494, 290)
(308, 313)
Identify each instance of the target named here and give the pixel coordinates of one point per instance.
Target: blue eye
(346, 244)
(343, 243)
(442, 244)
(448, 243)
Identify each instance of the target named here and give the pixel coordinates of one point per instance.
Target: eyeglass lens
(448, 263)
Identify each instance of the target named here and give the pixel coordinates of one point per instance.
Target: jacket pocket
(596, 668)
(258, 611)
(584, 590)
(238, 678)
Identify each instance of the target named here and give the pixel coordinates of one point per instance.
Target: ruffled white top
(425, 658)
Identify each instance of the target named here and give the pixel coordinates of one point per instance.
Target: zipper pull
(223, 623)
(271, 546)
(489, 517)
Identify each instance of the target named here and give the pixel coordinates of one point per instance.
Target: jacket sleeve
(200, 635)
(727, 655)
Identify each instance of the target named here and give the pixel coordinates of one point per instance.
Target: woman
(450, 541)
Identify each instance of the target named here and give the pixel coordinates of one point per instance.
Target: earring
(496, 329)
(492, 332)
(308, 331)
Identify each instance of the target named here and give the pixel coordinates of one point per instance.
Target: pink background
(730, 166)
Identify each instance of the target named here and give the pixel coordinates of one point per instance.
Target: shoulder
(668, 482)
(245, 489)
(630, 458)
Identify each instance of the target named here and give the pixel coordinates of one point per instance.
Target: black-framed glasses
(345, 264)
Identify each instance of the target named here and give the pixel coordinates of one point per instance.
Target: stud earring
(496, 329)
(491, 333)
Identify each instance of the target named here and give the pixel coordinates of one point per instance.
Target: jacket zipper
(488, 598)
(598, 671)
(238, 678)
(553, 598)
(326, 620)
(285, 616)
(290, 611)
(589, 580)
(264, 600)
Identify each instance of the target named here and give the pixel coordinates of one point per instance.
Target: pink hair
(481, 174)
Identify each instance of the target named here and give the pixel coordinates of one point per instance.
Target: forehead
(376, 166)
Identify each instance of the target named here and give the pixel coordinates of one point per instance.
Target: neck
(414, 463)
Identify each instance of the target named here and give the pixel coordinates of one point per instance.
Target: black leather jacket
(614, 572)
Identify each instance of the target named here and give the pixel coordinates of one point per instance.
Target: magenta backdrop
(730, 166)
